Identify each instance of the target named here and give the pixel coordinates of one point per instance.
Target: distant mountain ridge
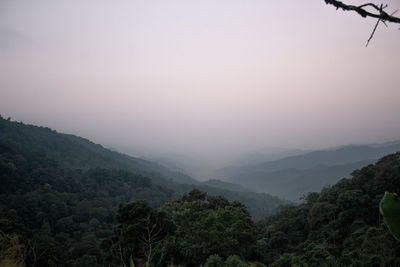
(343, 155)
(255, 158)
(293, 176)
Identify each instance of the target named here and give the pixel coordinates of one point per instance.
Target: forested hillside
(73, 152)
(339, 226)
(54, 214)
(51, 216)
(76, 152)
(63, 214)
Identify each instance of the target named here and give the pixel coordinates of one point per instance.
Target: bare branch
(379, 14)
(373, 32)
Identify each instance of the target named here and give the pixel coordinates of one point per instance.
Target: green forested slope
(53, 214)
(76, 152)
(62, 214)
(73, 152)
(57, 214)
(339, 226)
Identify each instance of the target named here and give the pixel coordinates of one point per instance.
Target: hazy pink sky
(203, 78)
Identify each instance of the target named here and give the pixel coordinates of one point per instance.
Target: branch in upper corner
(379, 10)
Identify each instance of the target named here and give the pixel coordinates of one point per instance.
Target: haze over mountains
(198, 133)
(288, 173)
(203, 169)
(280, 172)
(293, 176)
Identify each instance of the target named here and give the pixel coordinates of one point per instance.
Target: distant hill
(294, 176)
(343, 155)
(226, 185)
(267, 154)
(255, 158)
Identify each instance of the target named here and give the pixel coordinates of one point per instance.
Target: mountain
(56, 216)
(202, 168)
(267, 154)
(340, 156)
(291, 177)
(77, 153)
(254, 158)
(226, 185)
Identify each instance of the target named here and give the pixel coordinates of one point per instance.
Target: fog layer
(209, 79)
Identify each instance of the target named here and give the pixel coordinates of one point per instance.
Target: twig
(376, 26)
(373, 32)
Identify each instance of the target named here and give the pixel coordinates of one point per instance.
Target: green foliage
(390, 209)
(205, 226)
(140, 231)
(214, 261)
(12, 251)
(286, 259)
(319, 254)
(235, 261)
(259, 205)
(370, 246)
(62, 214)
(339, 226)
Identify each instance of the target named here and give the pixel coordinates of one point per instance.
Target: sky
(207, 79)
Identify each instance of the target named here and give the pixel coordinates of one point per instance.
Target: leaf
(131, 263)
(390, 209)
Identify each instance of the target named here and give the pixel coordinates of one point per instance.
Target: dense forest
(339, 226)
(73, 152)
(53, 213)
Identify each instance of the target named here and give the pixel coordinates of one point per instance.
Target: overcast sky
(202, 78)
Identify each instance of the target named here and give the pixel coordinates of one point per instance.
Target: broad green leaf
(131, 263)
(390, 209)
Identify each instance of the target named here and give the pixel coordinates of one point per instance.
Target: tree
(205, 226)
(140, 230)
(12, 251)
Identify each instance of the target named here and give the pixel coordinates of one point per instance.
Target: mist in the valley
(201, 84)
